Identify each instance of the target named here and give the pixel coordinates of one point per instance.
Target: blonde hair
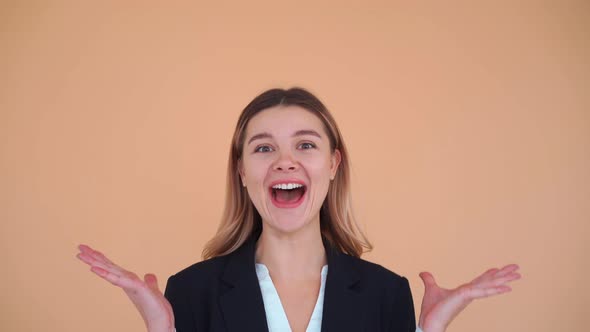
(240, 218)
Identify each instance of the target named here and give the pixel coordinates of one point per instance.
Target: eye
(263, 148)
(307, 146)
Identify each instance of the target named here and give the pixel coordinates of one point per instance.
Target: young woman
(286, 256)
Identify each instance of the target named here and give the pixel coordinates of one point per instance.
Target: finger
(500, 281)
(84, 247)
(101, 256)
(94, 253)
(495, 273)
(478, 293)
(506, 270)
(86, 251)
(152, 282)
(486, 275)
(506, 279)
(122, 281)
(87, 258)
(94, 263)
(90, 260)
(427, 279)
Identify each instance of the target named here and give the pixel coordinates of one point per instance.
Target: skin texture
(291, 143)
(291, 150)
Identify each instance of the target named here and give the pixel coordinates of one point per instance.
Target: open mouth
(287, 195)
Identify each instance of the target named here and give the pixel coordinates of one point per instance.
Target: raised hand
(440, 306)
(145, 295)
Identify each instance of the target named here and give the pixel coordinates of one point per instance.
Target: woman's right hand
(155, 310)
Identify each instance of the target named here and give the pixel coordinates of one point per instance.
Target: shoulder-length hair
(240, 218)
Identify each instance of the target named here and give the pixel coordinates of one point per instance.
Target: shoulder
(393, 292)
(377, 275)
(201, 273)
(373, 270)
(217, 273)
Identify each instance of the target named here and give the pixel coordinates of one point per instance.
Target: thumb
(427, 279)
(151, 280)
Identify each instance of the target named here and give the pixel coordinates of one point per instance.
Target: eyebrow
(304, 132)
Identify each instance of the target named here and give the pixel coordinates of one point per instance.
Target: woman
(287, 253)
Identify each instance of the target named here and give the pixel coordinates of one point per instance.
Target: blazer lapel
(243, 308)
(241, 304)
(343, 310)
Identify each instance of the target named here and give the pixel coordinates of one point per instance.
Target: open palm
(441, 305)
(155, 310)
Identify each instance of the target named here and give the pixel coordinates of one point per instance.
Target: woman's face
(287, 166)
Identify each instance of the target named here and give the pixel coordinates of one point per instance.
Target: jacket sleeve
(177, 295)
(403, 319)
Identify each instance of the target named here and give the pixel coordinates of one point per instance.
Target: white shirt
(276, 317)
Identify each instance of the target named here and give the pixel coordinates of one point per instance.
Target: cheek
(319, 174)
(254, 173)
(317, 167)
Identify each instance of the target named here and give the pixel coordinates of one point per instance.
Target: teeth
(287, 186)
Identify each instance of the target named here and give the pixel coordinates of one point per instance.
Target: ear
(241, 172)
(335, 159)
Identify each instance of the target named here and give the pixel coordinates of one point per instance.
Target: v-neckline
(276, 316)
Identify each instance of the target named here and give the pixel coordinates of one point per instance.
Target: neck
(299, 255)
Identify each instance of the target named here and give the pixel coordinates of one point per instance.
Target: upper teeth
(287, 186)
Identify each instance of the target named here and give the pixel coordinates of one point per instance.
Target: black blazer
(223, 294)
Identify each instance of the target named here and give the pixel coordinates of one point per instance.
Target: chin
(289, 224)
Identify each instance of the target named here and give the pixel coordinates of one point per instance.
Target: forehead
(284, 120)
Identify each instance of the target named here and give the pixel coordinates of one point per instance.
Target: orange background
(468, 125)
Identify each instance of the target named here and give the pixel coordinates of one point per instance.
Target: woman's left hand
(440, 305)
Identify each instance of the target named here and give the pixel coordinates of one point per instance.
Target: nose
(285, 162)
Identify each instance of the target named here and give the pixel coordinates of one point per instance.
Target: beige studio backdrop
(468, 125)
